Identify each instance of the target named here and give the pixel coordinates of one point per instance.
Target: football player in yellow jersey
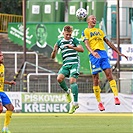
(4, 100)
(94, 39)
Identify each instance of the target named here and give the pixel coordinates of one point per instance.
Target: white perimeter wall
(124, 17)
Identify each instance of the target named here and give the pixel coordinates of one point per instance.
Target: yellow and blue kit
(95, 37)
(3, 97)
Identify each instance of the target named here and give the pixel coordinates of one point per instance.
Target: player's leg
(113, 85)
(61, 76)
(97, 91)
(74, 72)
(1, 105)
(7, 117)
(62, 83)
(96, 68)
(74, 88)
(8, 105)
(63, 72)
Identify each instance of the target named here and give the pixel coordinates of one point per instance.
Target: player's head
(67, 32)
(1, 57)
(91, 20)
(41, 33)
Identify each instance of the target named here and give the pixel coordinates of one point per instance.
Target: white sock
(75, 103)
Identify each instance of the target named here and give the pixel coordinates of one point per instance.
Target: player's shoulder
(99, 29)
(74, 39)
(85, 29)
(2, 65)
(59, 40)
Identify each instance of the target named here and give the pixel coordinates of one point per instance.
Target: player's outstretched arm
(54, 52)
(111, 45)
(10, 82)
(123, 55)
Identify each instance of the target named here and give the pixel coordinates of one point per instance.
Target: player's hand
(68, 45)
(123, 56)
(12, 82)
(95, 54)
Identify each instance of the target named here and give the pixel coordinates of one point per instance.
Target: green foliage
(11, 7)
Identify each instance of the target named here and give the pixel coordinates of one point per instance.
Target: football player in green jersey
(69, 47)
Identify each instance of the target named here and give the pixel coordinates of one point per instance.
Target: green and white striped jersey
(69, 56)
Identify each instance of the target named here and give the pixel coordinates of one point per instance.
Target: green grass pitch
(70, 123)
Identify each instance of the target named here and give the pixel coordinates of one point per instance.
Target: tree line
(11, 7)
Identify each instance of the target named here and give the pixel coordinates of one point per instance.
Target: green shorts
(70, 70)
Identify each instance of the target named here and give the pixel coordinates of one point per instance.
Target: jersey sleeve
(84, 35)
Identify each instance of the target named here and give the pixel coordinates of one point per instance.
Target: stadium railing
(16, 58)
(45, 81)
(8, 18)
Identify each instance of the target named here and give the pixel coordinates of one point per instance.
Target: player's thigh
(74, 71)
(9, 107)
(1, 106)
(105, 64)
(65, 70)
(95, 65)
(5, 99)
(108, 73)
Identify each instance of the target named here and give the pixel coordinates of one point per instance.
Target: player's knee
(110, 77)
(12, 108)
(9, 107)
(95, 82)
(59, 80)
(1, 109)
(95, 79)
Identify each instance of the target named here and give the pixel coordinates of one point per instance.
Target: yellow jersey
(95, 37)
(2, 70)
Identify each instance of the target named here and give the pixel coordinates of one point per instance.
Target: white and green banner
(56, 102)
(47, 34)
(44, 103)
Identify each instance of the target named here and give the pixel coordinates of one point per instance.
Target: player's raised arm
(54, 52)
(10, 82)
(111, 45)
